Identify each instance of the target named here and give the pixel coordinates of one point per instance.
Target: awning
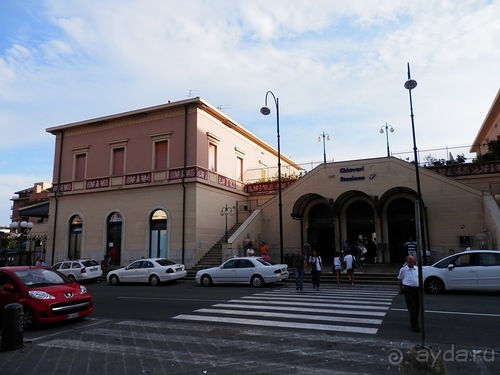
(35, 210)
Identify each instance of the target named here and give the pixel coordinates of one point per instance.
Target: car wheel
(114, 280)
(434, 285)
(72, 278)
(257, 281)
(154, 280)
(206, 280)
(27, 318)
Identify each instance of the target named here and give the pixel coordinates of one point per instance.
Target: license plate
(72, 316)
(93, 269)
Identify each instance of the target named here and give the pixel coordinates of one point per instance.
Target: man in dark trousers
(408, 286)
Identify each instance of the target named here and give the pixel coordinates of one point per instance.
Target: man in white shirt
(408, 286)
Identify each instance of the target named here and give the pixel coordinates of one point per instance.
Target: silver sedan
(254, 271)
(150, 270)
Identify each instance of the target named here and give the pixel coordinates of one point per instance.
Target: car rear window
(165, 262)
(89, 263)
(264, 262)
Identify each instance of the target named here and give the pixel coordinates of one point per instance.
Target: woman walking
(337, 266)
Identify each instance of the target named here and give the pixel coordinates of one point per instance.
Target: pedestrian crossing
(332, 309)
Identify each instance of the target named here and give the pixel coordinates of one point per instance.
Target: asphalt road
(187, 329)
(468, 319)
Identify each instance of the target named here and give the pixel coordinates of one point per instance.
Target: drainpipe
(183, 185)
(56, 194)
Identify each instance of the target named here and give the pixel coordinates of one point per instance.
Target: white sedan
(255, 271)
(79, 269)
(150, 270)
(468, 270)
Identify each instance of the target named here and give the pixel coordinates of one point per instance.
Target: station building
(179, 179)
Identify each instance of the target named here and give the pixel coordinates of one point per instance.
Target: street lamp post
(225, 211)
(266, 111)
(21, 229)
(410, 84)
(324, 145)
(388, 128)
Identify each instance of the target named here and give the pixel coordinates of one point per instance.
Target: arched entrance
(360, 221)
(75, 237)
(401, 227)
(114, 237)
(158, 234)
(320, 232)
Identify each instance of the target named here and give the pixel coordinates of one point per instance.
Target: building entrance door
(401, 227)
(320, 233)
(360, 219)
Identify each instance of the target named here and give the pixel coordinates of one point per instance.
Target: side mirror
(451, 266)
(9, 288)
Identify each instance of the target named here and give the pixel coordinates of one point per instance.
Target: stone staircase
(213, 257)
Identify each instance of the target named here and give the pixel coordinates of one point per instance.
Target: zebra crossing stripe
(310, 303)
(319, 299)
(345, 311)
(280, 324)
(266, 314)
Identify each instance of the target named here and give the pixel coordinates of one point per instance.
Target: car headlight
(39, 294)
(83, 290)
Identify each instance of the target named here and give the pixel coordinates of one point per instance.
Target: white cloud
(336, 66)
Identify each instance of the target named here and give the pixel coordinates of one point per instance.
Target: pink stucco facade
(209, 158)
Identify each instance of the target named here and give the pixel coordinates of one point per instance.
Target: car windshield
(165, 262)
(40, 277)
(89, 263)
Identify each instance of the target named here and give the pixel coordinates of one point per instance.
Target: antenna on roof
(193, 93)
(223, 107)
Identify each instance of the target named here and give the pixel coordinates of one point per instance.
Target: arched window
(75, 237)
(158, 234)
(114, 238)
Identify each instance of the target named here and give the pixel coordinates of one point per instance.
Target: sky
(337, 67)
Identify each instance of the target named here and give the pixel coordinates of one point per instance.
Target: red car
(46, 295)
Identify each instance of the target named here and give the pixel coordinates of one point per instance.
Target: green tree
(493, 153)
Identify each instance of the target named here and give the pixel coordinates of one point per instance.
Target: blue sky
(336, 66)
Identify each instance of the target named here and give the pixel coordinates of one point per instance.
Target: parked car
(467, 270)
(79, 269)
(151, 270)
(46, 295)
(255, 271)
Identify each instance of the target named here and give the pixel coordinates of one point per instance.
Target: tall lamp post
(21, 229)
(225, 211)
(388, 128)
(266, 111)
(410, 84)
(324, 145)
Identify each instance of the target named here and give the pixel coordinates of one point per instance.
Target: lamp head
(265, 111)
(410, 84)
(392, 130)
(382, 130)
